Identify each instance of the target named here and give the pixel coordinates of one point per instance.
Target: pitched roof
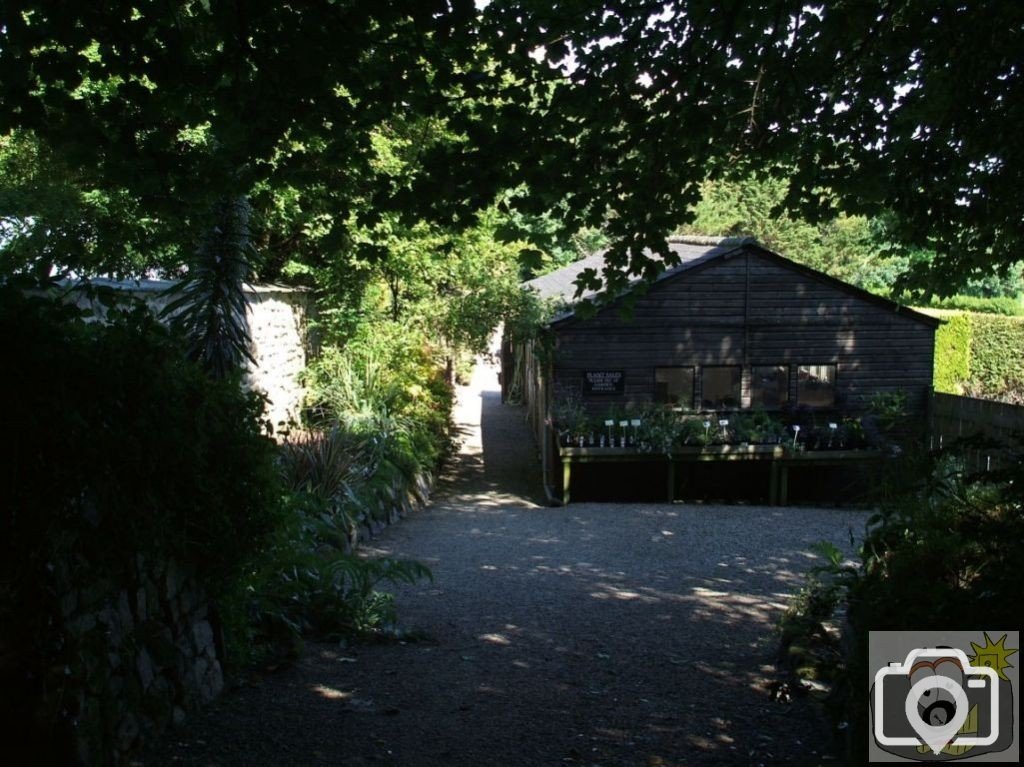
(692, 252)
(561, 284)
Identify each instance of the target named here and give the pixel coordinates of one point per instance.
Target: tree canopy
(613, 113)
(904, 108)
(178, 105)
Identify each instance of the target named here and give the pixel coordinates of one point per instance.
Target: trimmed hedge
(953, 354)
(1005, 305)
(997, 369)
(979, 354)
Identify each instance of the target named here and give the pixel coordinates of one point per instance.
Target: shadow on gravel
(598, 634)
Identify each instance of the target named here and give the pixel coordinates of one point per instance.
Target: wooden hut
(732, 329)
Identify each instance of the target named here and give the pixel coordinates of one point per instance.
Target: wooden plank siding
(997, 427)
(751, 308)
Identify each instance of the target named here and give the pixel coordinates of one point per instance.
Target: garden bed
(781, 459)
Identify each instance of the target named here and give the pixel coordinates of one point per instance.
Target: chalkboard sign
(604, 382)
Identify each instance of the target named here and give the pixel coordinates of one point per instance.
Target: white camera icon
(936, 706)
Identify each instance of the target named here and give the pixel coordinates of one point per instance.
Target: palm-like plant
(208, 304)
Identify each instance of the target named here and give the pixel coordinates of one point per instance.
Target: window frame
(693, 387)
(834, 382)
(739, 388)
(787, 390)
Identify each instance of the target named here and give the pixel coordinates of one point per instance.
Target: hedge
(997, 369)
(953, 353)
(979, 354)
(115, 447)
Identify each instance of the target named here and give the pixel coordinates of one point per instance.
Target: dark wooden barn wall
(750, 310)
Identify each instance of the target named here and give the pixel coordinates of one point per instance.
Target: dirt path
(596, 634)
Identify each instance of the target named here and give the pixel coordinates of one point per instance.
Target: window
(674, 386)
(769, 385)
(816, 385)
(720, 387)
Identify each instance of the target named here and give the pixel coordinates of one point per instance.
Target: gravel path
(598, 634)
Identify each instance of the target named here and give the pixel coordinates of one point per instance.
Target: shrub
(1005, 305)
(978, 354)
(997, 371)
(120, 446)
(307, 581)
(117, 447)
(953, 353)
(388, 373)
(944, 552)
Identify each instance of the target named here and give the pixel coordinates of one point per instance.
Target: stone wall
(278, 320)
(143, 653)
(277, 317)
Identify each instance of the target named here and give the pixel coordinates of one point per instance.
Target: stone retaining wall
(147, 655)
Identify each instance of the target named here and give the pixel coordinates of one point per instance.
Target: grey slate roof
(691, 251)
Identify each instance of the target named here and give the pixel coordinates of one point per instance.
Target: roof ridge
(700, 239)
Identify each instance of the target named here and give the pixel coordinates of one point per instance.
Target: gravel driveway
(597, 634)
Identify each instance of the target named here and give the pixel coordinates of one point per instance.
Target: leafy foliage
(123, 446)
(682, 90)
(208, 304)
(996, 367)
(605, 115)
(120, 450)
(850, 248)
(308, 581)
(309, 584)
(454, 284)
(953, 353)
(50, 219)
(939, 532)
(1005, 305)
(978, 355)
(388, 378)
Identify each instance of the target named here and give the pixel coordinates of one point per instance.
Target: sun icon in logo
(993, 655)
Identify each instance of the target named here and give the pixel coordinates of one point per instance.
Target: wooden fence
(996, 427)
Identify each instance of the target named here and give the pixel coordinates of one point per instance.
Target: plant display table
(782, 458)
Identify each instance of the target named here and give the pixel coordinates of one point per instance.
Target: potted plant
(694, 431)
(659, 429)
(571, 421)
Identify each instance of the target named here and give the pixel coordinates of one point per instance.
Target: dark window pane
(674, 386)
(816, 385)
(720, 387)
(769, 385)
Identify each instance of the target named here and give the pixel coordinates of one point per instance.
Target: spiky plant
(208, 304)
